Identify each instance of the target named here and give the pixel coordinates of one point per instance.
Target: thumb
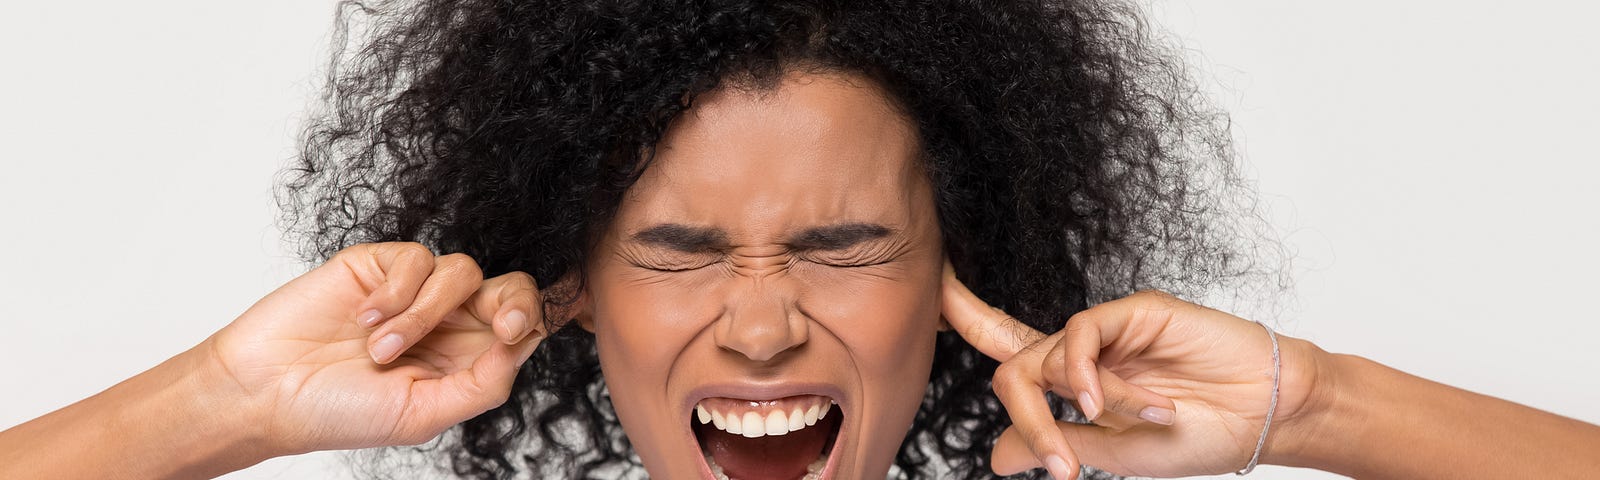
(1092, 443)
(455, 398)
(497, 369)
(488, 382)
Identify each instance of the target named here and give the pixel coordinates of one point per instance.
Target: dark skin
(806, 252)
(802, 225)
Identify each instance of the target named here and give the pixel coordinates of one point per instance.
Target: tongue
(779, 457)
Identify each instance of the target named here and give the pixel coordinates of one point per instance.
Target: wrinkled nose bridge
(760, 318)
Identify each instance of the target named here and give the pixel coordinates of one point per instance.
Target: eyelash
(818, 262)
(657, 268)
(670, 270)
(872, 258)
(846, 264)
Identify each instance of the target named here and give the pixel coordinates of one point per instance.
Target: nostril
(761, 320)
(760, 339)
(760, 343)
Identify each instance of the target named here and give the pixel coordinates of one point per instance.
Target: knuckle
(414, 254)
(381, 249)
(1151, 294)
(489, 394)
(1055, 373)
(1078, 323)
(1082, 364)
(1157, 300)
(410, 248)
(1114, 427)
(352, 250)
(500, 394)
(1056, 358)
(459, 264)
(1116, 401)
(1007, 378)
(409, 323)
(522, 281)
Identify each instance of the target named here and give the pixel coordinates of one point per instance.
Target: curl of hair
(1073, 162)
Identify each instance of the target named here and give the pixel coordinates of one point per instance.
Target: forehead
(816, 149)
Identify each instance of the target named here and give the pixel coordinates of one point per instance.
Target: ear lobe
(584, 313)
(944, 325)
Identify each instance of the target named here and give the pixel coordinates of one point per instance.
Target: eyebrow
(685, 238)
(838, 237)
(682, 238)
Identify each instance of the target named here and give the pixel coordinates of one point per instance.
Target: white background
(1431, 163)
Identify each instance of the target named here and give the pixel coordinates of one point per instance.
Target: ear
(949, 272)
(581, 310)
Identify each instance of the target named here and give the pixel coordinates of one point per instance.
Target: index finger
(508, 304)
(991, 330)
(514, 305)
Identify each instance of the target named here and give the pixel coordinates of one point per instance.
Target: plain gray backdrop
(1430, 164)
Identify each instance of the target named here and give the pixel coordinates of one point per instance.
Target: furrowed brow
(838, 237)
(682, 238)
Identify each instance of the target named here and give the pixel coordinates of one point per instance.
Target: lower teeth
(813, 471)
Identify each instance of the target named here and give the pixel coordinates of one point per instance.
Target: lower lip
(827, 470)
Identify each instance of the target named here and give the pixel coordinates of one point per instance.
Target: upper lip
(763, 391)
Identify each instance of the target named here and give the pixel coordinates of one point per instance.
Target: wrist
(1318, 431)
(174, 420)
(236, 412)
(207, 421)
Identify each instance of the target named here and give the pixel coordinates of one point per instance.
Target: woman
(739, 211)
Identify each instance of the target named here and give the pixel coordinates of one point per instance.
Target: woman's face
(777, 266)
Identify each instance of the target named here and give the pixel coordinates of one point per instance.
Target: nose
(761, 321)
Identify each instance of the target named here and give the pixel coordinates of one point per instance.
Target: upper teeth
(755, 419)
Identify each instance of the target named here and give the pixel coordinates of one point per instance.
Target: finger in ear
(568, 300)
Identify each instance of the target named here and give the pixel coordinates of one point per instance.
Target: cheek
(886, 325)
(888, 331)
(641, 328)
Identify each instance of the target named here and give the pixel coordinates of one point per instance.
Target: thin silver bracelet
(1277, 364)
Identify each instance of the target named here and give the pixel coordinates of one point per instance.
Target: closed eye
(676, 264)
(860, 265)
(666, 261)
(666, 269)
(838, 262)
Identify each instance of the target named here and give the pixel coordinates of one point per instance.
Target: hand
(1174, 388)
(385, 344)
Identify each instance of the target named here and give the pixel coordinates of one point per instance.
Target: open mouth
(789, 438)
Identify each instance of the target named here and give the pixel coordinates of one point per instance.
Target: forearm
(1378, 422)
(171, 421)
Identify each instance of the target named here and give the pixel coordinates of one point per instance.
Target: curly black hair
(1073, 161)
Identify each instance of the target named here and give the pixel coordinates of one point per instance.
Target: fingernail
(387, 348)
(1057, 467)
(517, 323)
(369, 318)
(1157, 415)
(1086, 403)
